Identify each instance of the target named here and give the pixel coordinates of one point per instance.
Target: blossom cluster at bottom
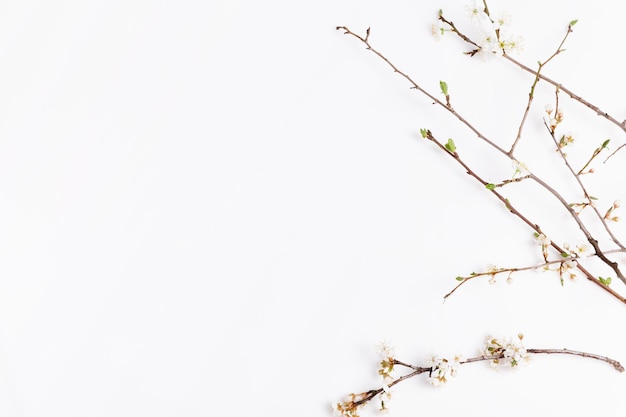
(499, 352)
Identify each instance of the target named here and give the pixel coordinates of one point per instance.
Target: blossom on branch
(507, 353)
(443, 369)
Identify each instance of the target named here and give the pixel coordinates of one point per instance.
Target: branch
(519, 215)
(531, 95)
(497, 351)
(574, 96)
(538, 180)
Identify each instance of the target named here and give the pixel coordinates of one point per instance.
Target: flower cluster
(443, 369)
(349, 407)
(566, 269)
(494, 38)
(386, 368)
(387, 363)
(566, 139)
(492, 270)
(508, 353)
(578, 251)
(556, 118)
(438, 29)
(520, 168)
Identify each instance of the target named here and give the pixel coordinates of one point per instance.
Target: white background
(220, 208)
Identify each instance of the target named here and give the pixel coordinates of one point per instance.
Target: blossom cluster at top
(494, 38)
(494, 31)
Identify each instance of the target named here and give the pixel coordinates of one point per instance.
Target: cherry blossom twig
(498, 271)
(499, 352)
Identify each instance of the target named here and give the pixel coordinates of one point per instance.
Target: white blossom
(513, 352)
(443, 369)
(520, 168)
(476, 12)
(386, 349)
(502, 20)
(582, 250)
(437, 29)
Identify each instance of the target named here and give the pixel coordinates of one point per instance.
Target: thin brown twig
(462, 280)
(531, 94)
(615, 151)
(618, 366)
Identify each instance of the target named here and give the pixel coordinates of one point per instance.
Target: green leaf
(605, 281)
(450, 146)
(424, 132)
(606, 143)
(460, 278)
(444, 87)
(440, 12)
(573, 22)
(490, 186)
(564, 255)
(592, 197)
